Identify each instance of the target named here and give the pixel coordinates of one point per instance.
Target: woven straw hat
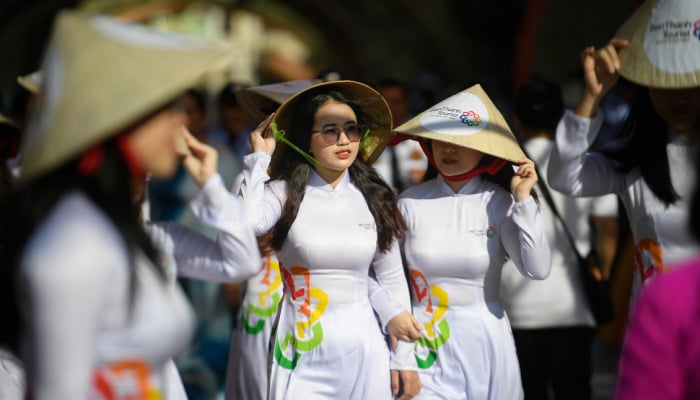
(372, 103)
(261, 101)
(664, 44)
(467, 119)
(99, 76)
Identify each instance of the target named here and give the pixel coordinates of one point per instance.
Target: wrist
(587, 105)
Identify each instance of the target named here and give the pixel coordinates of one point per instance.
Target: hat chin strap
(132, 162)
(491, 168)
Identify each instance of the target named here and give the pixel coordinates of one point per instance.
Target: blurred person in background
(204, 363)
(660, 356)
(650, 167)
(93, 307)
(233, 122)
(402, 165)
(552, 322)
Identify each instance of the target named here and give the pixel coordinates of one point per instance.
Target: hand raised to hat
(261, 138)
(523, 180)
(201, 159)
(600, 72)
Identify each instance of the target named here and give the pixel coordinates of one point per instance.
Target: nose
(343, 139)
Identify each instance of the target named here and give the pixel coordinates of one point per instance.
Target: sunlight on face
(153, 142)
(340, 155)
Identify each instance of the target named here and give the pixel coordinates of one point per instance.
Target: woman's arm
(233, 257)
(522, 233)
(571, 170)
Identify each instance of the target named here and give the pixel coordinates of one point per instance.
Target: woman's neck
(333, 177)
(456, 186)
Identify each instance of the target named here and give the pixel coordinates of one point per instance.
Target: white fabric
(83, 296)
(328, 342)
(12, 382)
(455, 248)
(247, 371)
(187, 253)
(81, 328)
(558, 300)
(662, 237)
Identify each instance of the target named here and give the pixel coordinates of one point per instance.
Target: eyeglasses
(331, 134)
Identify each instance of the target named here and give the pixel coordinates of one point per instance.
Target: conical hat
(100, 76)
(372, 103)
(467, 119)
(261, 101)
(664, 48)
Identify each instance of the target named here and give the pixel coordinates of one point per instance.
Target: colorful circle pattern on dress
(267, 301)
(437, 328)
(309, 331)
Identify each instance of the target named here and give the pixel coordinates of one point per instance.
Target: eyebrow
(345, 124)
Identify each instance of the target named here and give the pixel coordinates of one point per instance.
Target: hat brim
(635, 63)
(372, 103)
(495, 138)
(261, 101)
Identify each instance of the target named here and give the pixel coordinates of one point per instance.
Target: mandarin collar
(317, 182)
(470, 188)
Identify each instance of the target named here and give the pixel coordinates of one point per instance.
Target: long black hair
(294, 169)
(110, 189)
(642, 145)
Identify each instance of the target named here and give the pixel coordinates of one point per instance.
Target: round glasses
(331, 135)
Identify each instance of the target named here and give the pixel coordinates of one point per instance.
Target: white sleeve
(524, 239)
(604, 206)
(383, 304)
(574, 171)
(233, 257)
(262, 204)
(65, 290)
(388, 269)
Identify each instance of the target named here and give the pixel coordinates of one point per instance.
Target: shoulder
(278, 188)
(76, 241)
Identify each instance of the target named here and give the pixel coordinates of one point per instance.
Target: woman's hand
(201, 159)
(405, 383)
(261, 138)
(523, 180)
(405, 327)
(600, 72)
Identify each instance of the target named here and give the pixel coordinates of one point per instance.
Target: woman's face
(679, 108)
(336, 152)
(454, 160)
(153, 142)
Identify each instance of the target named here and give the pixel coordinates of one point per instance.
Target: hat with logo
(261, 101)
(467, 119)
(99, 76)
(374, 106)
(664, 44)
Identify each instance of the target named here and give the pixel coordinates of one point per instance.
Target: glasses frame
(338, 130)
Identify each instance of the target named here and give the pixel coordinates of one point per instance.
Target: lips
(448, 161)
(343, 154)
